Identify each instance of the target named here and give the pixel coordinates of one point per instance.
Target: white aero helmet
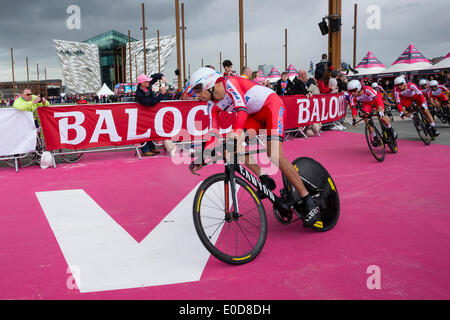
(354, 85)
(399, 80)
(206, 77)
(375, 85)
(423, 82)
(433, 83)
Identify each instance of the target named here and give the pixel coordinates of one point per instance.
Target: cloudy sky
(29, 26)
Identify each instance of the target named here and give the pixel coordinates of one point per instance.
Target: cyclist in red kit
(256, 107)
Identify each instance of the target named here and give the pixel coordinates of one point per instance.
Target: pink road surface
(394, 215)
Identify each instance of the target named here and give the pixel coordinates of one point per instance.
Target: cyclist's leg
(274, 115)
(277, 157)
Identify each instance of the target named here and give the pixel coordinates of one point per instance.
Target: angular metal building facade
(106, 59)
(167, 44)
(80, 64)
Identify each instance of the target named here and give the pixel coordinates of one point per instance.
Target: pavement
(115, 227)
(405, 129)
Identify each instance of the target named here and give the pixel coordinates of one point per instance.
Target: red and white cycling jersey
(256, 108)
(426, 91)
(369, 95)
(405, 97)
(240, 95)
(439, 93)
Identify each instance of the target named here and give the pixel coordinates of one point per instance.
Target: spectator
(284, 86)
(82, 100)
(333, 85)
(228, 66)
(342, 83)
(29, 102)
(323, 66)
(247, 73)
(299, 83)
(146, 97)
(254, 75)
(268, 84)
(311, 84)
(323, 83)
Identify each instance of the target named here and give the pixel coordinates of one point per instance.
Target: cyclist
(370, 100)
(405, 94)
(256, 107)
(437, 93)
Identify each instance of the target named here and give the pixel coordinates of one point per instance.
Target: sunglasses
(198, 89)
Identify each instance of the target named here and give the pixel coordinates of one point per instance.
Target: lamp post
(144, 39)
(13, 77)
(177, 21)
(241, 34)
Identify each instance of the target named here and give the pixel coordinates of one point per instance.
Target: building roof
(108, 38)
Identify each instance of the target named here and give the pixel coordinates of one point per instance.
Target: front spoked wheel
(234, 233)
(390, 139)
(422, 130)
(323, 189)
(375, 142)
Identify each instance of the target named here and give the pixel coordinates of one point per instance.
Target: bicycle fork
(230, 185)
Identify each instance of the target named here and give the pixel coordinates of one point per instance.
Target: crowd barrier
(84, 128)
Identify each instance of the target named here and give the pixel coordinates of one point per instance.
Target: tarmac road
(405, 129)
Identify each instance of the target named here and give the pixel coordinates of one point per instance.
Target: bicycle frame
(232, 168)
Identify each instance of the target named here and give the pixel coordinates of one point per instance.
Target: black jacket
(289, 88)
(149, 98)
(299, 87)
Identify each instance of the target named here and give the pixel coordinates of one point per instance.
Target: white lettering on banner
(106, 116)
(303, 105)
(316, 111)
(334, 102)
(132, 126)
(191, 121)
(324, 110)
(64, 127)
(177, 123)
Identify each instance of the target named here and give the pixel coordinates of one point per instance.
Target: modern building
(50, 87)
(106, 58)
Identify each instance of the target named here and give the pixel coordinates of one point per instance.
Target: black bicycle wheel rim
(318, 181)
(390, 140)
(72, 158)
(422, 131)
(221, 238)
(378, 152)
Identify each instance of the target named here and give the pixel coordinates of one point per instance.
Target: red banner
(90, 126)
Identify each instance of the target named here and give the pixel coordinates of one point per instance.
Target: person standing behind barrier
(299, 84)
(146, 97)
(29, 102)
(284, 86)
(228, 66)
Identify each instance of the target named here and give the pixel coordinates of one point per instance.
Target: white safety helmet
(434, 83)
(423, 82)
(205, 78)
(399, 80)
(354, 85)
(375, 85)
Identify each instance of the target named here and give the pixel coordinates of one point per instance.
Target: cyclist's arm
(398, 100)
(239, 106)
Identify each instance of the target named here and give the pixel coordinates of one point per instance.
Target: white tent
(445, 63)
(105, 91)
(370, 65)
(410, 60)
